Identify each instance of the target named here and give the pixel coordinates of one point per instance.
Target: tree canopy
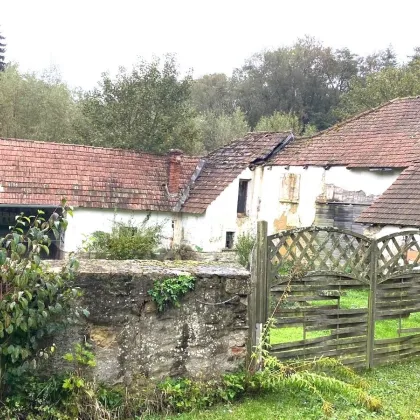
(36, 107)
(304, 87)
(147, 108)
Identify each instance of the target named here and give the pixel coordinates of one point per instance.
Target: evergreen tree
(2, 51)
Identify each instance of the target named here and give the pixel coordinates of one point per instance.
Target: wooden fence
(306, 279)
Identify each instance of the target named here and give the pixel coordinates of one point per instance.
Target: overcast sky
(86, 37)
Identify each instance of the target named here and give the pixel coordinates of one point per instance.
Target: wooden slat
(408, 330)
(322, 351)
(311, 342)
(306, 309)
(390, 341)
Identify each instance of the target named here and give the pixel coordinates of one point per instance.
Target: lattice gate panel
(317, 268)
(324, 250)
(331, 262)
(397, 299)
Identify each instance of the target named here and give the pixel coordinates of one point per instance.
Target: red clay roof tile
(387, 136)
(41, 173)
(223, 165)
(400, 204)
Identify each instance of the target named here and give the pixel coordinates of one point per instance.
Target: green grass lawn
(397, 385)
(353, 299)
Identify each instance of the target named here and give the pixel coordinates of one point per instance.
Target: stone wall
(205, 336)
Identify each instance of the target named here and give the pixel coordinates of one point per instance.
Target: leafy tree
(2, 51)
(389, 83)
(378, 61)
(212, 93)
(37, 107)
(218, 130)
(305, 79)
(147, 109)
(284, 122)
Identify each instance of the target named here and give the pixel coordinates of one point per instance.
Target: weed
(169, 291)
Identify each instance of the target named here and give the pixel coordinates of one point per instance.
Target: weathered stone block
(205, 336)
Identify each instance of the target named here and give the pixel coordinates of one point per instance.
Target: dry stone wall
(203, 337)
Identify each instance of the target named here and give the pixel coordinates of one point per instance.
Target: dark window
(229, 239)
(242, 195)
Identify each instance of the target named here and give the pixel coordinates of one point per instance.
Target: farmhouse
(361, 175)
(194, 199)
(363, 170)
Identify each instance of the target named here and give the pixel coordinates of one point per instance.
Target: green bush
(35, 302)
(243, 247)
(127, 241)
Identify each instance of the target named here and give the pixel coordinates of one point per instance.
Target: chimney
(174, 171)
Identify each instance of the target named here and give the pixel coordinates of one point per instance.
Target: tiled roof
(399, 204)
(38, 173)
(387, 136)
(223, 165)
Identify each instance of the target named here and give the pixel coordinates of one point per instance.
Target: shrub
(34, 302)
(127, 241)
(181, 252)
(169, 291)
(243, 247)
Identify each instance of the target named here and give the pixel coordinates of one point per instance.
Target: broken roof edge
(280, 146)
(286, 136)
(186, 191)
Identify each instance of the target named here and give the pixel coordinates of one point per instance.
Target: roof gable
(224, 165)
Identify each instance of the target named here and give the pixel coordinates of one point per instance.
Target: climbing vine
(168, 291)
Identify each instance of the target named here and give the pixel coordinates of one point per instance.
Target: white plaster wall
(377, 232)
(208, 231)
(371, 182)
(272, 209)
(313, 182)
(86, 221)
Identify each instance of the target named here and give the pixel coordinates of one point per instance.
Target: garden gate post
(258, 300)
(373, 279)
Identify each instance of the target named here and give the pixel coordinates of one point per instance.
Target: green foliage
(279, 122)
(219, 129)
(212, 94)
(34, 301)
(127, 241)
(305, 79)
(147, 108)
(185, 394)
(36, 107)
(377, 88)
(243, 246)
(169, 291)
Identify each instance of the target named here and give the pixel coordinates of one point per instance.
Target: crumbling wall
(205, 336)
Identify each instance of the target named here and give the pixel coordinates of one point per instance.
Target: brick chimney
(174, 170)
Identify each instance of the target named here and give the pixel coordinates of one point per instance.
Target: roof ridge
(357, 116)
(87, 146)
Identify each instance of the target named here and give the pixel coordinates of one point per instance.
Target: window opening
(229, 239)
(242, 195)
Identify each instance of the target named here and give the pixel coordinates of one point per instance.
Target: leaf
(3, 256)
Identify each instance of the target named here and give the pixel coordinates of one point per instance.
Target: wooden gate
(329, 289)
